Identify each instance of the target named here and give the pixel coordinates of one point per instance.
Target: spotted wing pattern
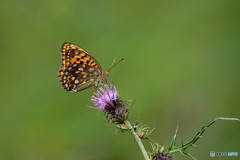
(79, 70)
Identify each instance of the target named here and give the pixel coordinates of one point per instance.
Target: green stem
(138, 140)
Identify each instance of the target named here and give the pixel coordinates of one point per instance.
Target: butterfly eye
(107, 74)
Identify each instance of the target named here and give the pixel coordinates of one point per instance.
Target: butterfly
(80, 70)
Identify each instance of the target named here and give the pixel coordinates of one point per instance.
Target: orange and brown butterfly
(79, 70)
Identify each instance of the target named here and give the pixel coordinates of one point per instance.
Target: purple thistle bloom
(108, 95)
(106, 99)
(161, 156)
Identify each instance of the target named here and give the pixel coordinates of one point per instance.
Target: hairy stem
(145, 155)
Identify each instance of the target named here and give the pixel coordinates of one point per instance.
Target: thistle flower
(106, 99)
(161, 156)
(158, 152)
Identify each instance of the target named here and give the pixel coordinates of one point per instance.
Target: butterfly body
(79, 70)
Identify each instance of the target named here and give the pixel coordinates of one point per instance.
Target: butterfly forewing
(79, 70)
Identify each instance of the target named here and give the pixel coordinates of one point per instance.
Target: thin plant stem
(144, 152)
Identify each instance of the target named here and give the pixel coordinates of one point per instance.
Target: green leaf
(173, 149)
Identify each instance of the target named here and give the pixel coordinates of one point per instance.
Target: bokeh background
(181, 64)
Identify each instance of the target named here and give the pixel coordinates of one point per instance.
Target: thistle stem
(145, 155)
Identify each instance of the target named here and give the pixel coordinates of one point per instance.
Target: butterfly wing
(79, 70)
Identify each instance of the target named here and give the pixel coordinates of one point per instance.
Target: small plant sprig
(158, 150)
(116, 110)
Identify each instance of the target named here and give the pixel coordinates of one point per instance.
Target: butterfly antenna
(113, 65)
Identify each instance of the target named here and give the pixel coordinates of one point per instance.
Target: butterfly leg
(94, 89)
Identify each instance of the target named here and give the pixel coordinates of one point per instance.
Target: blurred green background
(181, 64)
